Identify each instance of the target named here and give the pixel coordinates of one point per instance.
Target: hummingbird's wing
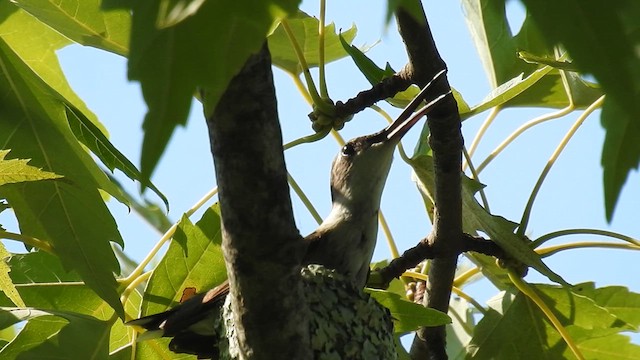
(192, 324)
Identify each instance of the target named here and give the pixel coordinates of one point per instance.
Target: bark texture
(446, 141)
(261, 244)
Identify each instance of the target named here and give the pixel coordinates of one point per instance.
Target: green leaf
(305, 31)
(620, 152)
(414, 8)
(39, 267)
(204, 50)
(408, 316)
(461, 330)
(84, 22)
(546, 60)
(375, 74)
(158, 349)
(194, 260)
(96, 141)
(612, 347)
(477, 218)
(487, 23)
(515, 320)
(6, 285)
(174, 11)
(618, 300)
(16, 170)
(508, 91)
(77, 298)
(499, 49)
(598, 41)
(69, 214)
(35, 44)
(64, 336)
(602, 40)
(368, 68)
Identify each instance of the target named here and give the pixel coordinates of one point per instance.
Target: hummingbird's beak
(405, 121)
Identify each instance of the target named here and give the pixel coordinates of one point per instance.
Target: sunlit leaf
(305, 31)
(408, 316)
(499, 48)
(174, 11)
(375, 74)
(77, 298)
(39, 267)
(516, 320)
(36, 44)
(17, 170)
(546, 60)
(84, 22)
(193, 260)
(69, 214)
(487, 23)
(618, 300)
(6, 285)
(57, 334)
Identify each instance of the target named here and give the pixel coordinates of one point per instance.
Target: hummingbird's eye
(348, 150)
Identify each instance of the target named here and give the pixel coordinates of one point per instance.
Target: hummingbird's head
(360, 170)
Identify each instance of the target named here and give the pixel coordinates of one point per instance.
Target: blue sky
(571, 197)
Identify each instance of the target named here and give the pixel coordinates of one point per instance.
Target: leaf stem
(544, 238)
(466, 276)
(132, 286)
(522, 129)
(303, 197)
(393, 248)
(306, 139)
(301, 88)
(548, 251)
(528, 291)
(28, 240)
(552, 160)
(481, 131)
(311, 86)
(323, 82)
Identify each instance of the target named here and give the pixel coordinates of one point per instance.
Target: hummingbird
(344, 241)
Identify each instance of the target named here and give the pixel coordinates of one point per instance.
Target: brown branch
(426, 250)
(261, 244)
(386, 88)
(446, 142)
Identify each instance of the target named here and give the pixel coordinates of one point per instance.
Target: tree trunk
(261, 244)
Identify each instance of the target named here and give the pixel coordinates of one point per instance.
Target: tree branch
(261, 244)
(386, 88)
(427, 250)
(446, 142)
